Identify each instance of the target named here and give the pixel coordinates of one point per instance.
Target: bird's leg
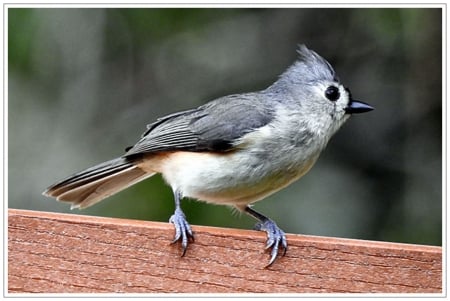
(182, 228)
(275, 236)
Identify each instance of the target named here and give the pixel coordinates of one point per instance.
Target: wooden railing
(65, 253)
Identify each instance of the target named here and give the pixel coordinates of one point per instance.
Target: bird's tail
(92, 185)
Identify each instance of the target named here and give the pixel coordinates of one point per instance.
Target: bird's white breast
(258, 167)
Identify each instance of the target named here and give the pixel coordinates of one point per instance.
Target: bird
(234, 150)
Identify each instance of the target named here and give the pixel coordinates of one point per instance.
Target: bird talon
(183, 230)
(273, 255)
(275, 238)
(270, 242)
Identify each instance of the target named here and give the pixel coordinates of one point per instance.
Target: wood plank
(65, 253)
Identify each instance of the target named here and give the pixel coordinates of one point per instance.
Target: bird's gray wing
(214, 126)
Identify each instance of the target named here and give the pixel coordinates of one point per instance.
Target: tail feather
(92, 185)
(89, 175)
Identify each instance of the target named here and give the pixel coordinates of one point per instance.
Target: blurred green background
(83, 84)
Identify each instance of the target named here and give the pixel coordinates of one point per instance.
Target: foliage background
(83, 83)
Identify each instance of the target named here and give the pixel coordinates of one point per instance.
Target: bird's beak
(356, 107)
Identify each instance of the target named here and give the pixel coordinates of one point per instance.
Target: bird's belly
(234, 178)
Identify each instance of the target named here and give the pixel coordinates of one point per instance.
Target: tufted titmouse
(234, 150)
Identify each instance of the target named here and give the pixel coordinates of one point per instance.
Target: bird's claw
(275, 237)
(183, 230)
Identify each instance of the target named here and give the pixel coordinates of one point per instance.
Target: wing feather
(214, 126)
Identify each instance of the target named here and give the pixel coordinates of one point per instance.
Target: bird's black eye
(332, 93)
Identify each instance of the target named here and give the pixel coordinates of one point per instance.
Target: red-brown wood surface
(63, 253)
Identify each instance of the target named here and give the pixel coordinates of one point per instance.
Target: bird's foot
(183, 230)
(275, 238)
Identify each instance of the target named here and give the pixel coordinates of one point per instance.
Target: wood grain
(64, 253)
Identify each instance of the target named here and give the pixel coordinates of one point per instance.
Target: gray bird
(234, 150)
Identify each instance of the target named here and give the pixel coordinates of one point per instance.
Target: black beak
(356, 107)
